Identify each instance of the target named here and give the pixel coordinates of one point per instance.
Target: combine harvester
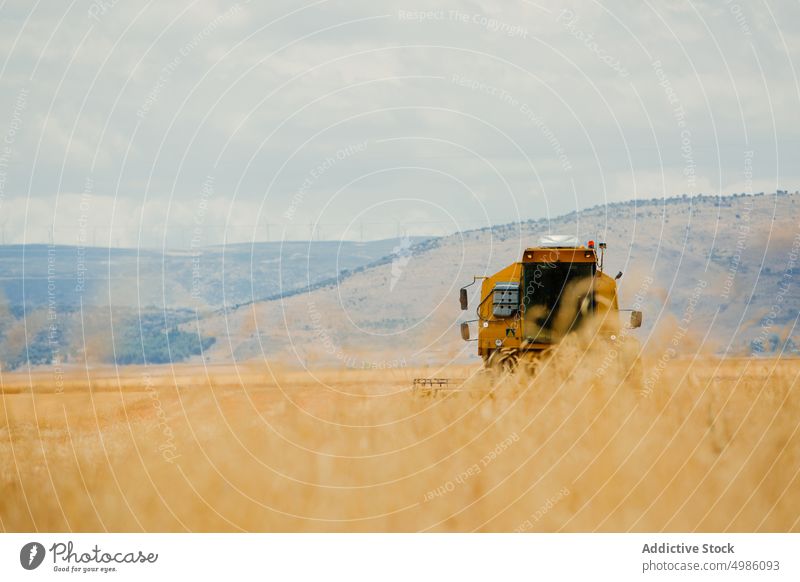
(529, 306)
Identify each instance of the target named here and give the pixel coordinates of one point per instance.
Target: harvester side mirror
(619, 276)
(465, 331)
(636, 319)
(463, 298)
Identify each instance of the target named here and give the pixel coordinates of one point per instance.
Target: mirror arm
(475, 279)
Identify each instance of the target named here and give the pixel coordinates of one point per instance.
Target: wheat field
(692, 444)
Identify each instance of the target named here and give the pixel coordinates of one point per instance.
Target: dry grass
(714, 446)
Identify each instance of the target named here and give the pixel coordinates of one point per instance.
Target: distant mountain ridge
(207, 278)
(710, 272)
(716, 261)
(62, 303)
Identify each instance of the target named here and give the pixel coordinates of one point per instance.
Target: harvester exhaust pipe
(602, 246)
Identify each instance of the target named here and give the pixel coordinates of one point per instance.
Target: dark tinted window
(549, 287)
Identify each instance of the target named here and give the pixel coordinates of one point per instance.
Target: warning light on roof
(591, 244)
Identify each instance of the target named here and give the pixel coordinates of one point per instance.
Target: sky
(182, 124)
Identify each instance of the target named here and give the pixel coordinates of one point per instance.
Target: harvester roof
(562, 241)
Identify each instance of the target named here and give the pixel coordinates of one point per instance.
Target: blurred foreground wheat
(691, 444)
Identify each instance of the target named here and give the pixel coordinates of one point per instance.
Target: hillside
(707, 270)
(61, 303)
(208, 277)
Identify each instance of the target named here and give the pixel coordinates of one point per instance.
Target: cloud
(147, 101)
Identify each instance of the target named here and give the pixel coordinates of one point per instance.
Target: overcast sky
(178, 123)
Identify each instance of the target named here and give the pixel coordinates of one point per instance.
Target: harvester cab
(529, 306)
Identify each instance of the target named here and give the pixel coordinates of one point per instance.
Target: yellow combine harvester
(530, 305)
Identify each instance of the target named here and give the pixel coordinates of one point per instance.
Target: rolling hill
(67, 303)
(710, 272)
(208, 277)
